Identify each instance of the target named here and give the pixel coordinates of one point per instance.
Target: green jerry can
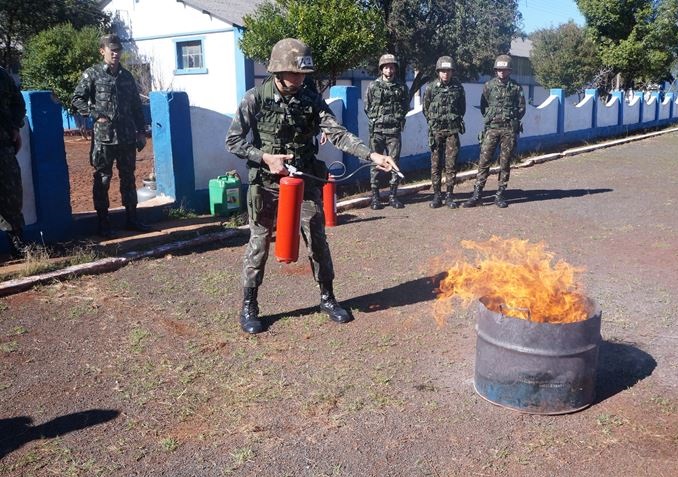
(225, 194)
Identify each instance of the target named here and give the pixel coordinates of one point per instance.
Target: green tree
(473, 32)
(54, 59)
(636, 38)
(21, 19)
(341, 33)
(564, 57)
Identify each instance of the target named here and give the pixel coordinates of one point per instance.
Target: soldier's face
(111, 56)
(388, 71)
(445, 75)
(289, 83)
(503, 75)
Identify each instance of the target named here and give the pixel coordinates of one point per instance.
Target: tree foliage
(636, 38)
(341, 33)
(54, 59)
(473, 32)
(564, 57)
(22, 19)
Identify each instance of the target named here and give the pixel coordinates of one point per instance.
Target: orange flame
(516, 278)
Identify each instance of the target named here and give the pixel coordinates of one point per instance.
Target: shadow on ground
(17, 431)
(620, 366)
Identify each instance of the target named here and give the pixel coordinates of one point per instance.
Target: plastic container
(225, 194)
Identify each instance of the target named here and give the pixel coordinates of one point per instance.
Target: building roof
(230, 11)
(521, 47)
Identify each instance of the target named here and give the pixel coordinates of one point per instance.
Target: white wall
(632, 110)
(608, 113)
(579, 116)
(155, 38)
(542, 119)
(649, 109)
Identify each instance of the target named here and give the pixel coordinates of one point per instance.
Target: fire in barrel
(537, 333)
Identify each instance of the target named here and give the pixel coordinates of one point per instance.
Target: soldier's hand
(276, 162)
(384, 163)
(141, 141)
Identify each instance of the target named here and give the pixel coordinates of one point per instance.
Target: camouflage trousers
(102, 158)
(262, 206)
(444, 151)
(389, 144)
(506, 139)
(11, 188)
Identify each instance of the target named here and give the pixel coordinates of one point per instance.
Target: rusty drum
(537, 368)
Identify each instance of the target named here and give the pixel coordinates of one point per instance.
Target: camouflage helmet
(290, 55)
(445, 63)
(388, 59)
(503, 62)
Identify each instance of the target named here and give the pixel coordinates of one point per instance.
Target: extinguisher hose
(293, 171)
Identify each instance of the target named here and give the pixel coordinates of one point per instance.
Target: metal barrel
(537, 368)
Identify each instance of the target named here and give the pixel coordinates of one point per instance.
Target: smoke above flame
(515, 278)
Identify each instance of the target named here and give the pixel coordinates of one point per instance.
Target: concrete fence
(189, 146)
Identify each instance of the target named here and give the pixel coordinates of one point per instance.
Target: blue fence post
(50, 170)
(594, 112)
(620, 103)
(641, 112)
(671, 97)
(349, 96)
(173, 146)
(560, 94)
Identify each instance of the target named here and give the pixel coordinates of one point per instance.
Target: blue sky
(548, 13)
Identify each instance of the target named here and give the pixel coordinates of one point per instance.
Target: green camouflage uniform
(12, 112)
(286, 125)
(101, 94)
(502, 106)
(386, 105)
(444, 108)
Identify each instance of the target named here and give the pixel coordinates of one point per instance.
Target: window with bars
(190, 57)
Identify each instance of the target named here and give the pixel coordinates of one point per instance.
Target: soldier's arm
(338, 135)
(17, 106)
(406, 99)
(243, 121)
(82, 94)
(462, 101)
(483, 100)
(426, 102)
(137, 109)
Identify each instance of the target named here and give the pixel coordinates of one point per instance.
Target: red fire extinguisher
(330, 201)
(289, 219)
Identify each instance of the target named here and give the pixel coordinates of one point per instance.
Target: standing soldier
(284, 116)
(108, 94)
(502, 106)
(12, 112)
(386, 104)
(444, 109)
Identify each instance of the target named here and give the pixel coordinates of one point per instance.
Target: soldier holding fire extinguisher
(284, 115)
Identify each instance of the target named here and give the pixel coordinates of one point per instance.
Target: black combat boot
(393, 198)
(475, 198)
(249, 316)
(499, 200)
(437, 201)
(104, 224)
(376, 204)
(329, 304)
(449, 201)
(17, 247)
(132, 222)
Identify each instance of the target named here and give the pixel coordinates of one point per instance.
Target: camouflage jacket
(386, 105)
(286, 125)
(444, 105)
(502, 104)
(100, 94)
(12, 108)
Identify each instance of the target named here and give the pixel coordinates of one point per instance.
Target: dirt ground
(80, 172)
(144, 371)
